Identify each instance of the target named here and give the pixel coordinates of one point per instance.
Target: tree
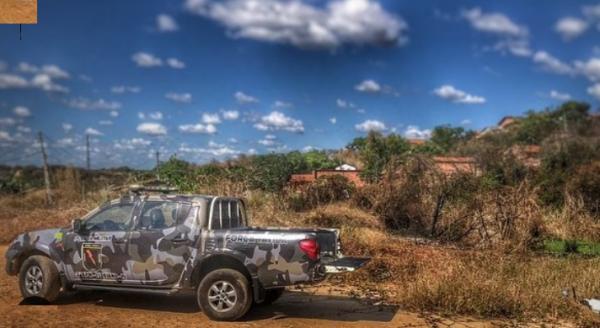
(376, 151)
(179, 173)
(270, 172)
(446, 137)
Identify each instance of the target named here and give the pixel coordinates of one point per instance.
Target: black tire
(217, 287)
(39, 278)
(272, 295)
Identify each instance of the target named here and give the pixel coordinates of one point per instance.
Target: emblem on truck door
(92, 256)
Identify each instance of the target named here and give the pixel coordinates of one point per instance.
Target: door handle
(119, 241)
(179, 240)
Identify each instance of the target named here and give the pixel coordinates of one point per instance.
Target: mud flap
(346, 264)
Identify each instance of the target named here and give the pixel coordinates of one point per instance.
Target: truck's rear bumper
(345, 264)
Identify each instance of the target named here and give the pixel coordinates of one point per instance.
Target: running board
(127, 289)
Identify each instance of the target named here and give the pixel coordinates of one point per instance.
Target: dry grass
(417, 276)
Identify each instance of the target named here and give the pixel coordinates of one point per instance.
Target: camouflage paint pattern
(167, 257)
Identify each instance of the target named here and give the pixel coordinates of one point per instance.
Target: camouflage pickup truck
(166, 244)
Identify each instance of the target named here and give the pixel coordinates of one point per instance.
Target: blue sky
(208, 79)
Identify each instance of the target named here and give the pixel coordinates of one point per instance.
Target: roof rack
(138, 189)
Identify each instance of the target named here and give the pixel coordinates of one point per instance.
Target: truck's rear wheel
(224, 295)
(38, 277)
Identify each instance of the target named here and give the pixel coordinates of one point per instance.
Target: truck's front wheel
(39, 278)
(224, 295)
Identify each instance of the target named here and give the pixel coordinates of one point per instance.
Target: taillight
(310, 247)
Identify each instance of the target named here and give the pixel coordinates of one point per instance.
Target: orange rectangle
(18, 11)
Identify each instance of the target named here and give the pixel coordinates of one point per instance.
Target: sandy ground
(18, 11)
(311, 307)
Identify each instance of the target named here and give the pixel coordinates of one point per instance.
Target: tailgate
(346, 264)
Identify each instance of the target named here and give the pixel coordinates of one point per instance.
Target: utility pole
(87, 151)
(157, 165)
(46, 171)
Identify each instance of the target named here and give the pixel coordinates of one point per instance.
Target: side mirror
(76, 225)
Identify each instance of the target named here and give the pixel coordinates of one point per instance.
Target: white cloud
(413, 132)
(53, 71)
(93, 132)
(243, 98)
(594, 90)
(332, 120)
(369, 86)
(88, 104)
(179, 97)
(166, 23)
(495, 23)
(465, 122)
(279, 121)
(592, 12)
(22, 111)
(105, 122)
(551, 63)
(67, 127)
(570, 27)
(141, 115)
(124, 89)
(156, 116)
(267, 142)
(591, 68)
(7, 121)
(370, 125)
(514, 38)
(217, 151)
(114, 113)
(144, 59)
(44, 81)
(279, 104)
(559, 95)
(356, 22)
(175, 63)
(210, 118)
(232, 140)
(198, 128)
(452, 94)
(23, 129)
(231, 115)
(5, 136)
(12, 81)
(131, 144)
(153, 129)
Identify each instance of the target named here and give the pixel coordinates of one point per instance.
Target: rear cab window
(227, 214)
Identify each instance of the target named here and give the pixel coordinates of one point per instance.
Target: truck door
(99, 250)
(162, 242)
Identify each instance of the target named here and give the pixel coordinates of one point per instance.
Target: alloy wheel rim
(34, 280)
(222, 296)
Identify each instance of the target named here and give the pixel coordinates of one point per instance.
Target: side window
(157, 215)
(114, 218)
(227, 214)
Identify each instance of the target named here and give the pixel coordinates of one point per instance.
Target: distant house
(449, 165)
(416, 142)
(506, 121)
(353, 175)
(529, 155)
(345, 167)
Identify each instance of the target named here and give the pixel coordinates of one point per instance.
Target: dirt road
(312, 307)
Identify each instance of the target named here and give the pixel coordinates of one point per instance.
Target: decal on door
(92, 256)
